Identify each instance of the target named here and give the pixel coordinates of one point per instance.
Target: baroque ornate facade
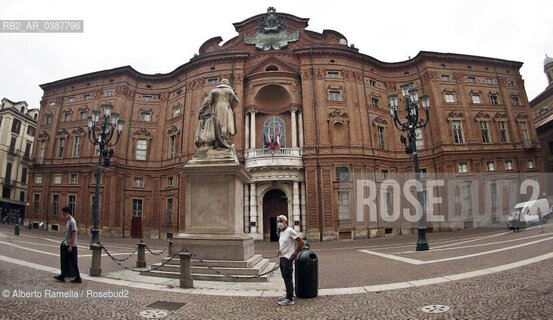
(325, 102)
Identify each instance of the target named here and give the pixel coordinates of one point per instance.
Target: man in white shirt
(290, 243)
(69, 244)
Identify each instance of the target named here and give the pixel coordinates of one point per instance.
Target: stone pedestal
(214, 209)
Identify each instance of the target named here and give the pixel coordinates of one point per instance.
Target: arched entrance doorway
(275, 203)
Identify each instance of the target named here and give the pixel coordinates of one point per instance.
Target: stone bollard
(185, 275)
(95, 270)
(170, 248)
(16, 229)
(141, 259)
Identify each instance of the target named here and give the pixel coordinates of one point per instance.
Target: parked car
(528, 213)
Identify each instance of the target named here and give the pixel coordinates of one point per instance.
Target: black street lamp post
(101, 136)
(412, 123)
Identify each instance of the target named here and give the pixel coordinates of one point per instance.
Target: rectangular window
(16, 126)
(333, 74)
(55, 204)
(13, 142)
(109, 93)
(509, 165)
(384, 174)
(389, 204)
(490, 165)
(6, 193)
(457, 131)
(86, 96)
(466, 197)
(71, 99)
(141, 149)
(169, 211)
(485, 132)
(57, 179)
(335, 96)
(423, 173)
(170, 181)
(503, 131)
(38, 179)
(530, 164)
(449, 97)
(463, 167)
(24, 175)
(147, 98)
(48, 119)
(8, 176)
(212, 81)
(445, 77)
(66, 117)
(494, 99)
(71, 203)
(342, 173)
(41, 150)
(172, 141)
(381, 137)
(476, 98)
(137, 207)
(145, 116)
(472, 79)
(28, 147)
(82, 115)
(510, 83)
(419, 139)
(372, 83)
(21, 196)
(343, 206)
(61, 146)
(36, 203)
(76, 146)
(73, 178)
(493, 194)
(489, 81)
(31, 131)
(375, 102)
(524, 131)
(516, 101)
(176, 112)
(52, 103)
(139, 182)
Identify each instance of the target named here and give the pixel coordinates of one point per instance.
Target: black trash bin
(307, 274)
(65, 267)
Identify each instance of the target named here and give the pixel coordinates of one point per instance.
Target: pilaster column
(252, 129)
(296, 206)
(300, 124)
(294, 127)
(246, 207)
(247, 132)
(303, 209)
(253, 209)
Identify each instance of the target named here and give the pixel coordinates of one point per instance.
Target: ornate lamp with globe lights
(411, 124)
(101, 135)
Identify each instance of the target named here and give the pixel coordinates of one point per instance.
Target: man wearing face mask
(290, 243)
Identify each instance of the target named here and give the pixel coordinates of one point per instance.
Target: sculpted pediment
(271, 62)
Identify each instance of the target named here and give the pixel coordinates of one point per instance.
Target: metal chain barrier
(157, 254)
(163, 263)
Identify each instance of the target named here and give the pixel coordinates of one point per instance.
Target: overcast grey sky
(158, 36)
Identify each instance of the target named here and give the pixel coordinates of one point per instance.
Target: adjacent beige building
(17, 130)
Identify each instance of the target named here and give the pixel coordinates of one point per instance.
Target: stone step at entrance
(253, 266)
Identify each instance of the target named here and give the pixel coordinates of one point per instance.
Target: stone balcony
(267, 158)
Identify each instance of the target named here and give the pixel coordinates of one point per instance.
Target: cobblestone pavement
(519, 293)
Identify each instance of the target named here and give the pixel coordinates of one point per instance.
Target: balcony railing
(285, 157)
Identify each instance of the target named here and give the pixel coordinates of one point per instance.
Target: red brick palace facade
(326, 100)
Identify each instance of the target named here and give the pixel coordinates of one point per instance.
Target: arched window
(271, 128)
(271, 68)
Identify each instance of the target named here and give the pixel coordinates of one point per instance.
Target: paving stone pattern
(520, 293)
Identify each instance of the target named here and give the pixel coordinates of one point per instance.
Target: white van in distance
(527, 213)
